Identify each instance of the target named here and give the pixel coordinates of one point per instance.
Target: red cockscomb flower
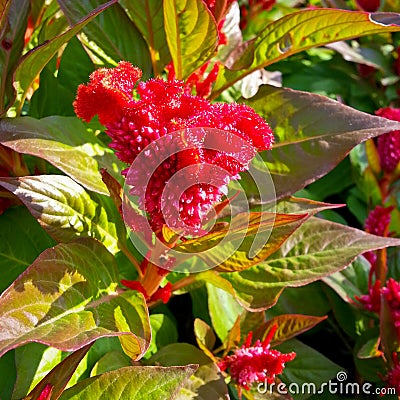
(164, 107)
(389, 143)
(372, 300)
(257, 363)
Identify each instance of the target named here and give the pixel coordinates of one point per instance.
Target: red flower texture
(372, 300)
(390, 292)
(392, 378)
(162, 108)
(389, 143)
(257, 363)
(378, 221)
(368, 5)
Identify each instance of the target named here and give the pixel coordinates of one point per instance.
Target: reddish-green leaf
(289, 326)
(317, 249)
(148, 17)
(65, 143)
(35, 60)
(312, 134)
(191, 33)
(59, 377)
(13, 22)
(68, 298)
(66, 211)
(132, 383)
(300, 31)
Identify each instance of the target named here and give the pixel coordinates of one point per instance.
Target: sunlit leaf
(65, 143)
(68, 298)
(103, 36)
(317, 249)
(312, 134)
(35, 60)
(148, 17)
(205, 337)
(66, 211)
(191, 34)
(132, 383)
(300, 31)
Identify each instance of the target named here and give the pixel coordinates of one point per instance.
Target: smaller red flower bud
(46, 392)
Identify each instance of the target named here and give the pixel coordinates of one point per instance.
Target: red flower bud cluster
(156, 108)
(389, 143)
(257, 363)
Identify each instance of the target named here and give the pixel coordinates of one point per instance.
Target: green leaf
(21, 241)
(351, 281)
(191, 33)
(207, 383)
(8, 375)
(66, 211)
(35, 60)
(65, 143)
(132, 383)
(68, 298)
(317, 249)
(13, 22)
(110, 362)
(312, 134)
(224, 310)
(103, 36)
(148, 17)
(42, 359)
(58, 86)
(163, 332)
(205, 337)
(309, 367)
(300, 31)
(59, 376)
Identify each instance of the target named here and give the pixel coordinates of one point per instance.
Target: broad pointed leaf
(300, 31)
(317, 249)
(246, 242)
(65, 143)
(103, 36)
(13, 22)
(35, 60)
(191, 33)
(66, 211)
(289, 326)
(68, 298)
(132, 383)
(21, 241)
(148, 17)
(312, 133)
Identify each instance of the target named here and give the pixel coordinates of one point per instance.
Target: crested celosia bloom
(257, 363)
(389, 143)
(372, 300)
(392, 378)
(156, 108)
